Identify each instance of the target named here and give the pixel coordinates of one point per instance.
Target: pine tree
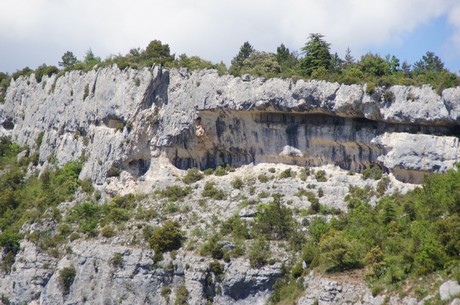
(317, 55)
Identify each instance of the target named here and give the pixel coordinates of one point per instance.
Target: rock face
(133, 130)
(127, 121)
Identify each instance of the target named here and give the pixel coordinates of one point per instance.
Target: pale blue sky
(33, 32)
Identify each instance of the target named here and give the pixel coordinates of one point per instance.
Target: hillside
(163, 186)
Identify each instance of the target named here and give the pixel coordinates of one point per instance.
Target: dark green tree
(373, 65)
(430, 62)
(157, 52)
(317, 55)
(68, 60)
(349, 59)
(245, 52)
(90, 59)
(286, 59)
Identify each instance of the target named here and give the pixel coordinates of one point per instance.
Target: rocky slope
(136, 131)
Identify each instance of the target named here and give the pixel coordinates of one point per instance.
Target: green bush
(338, 253)
(166, 238)
(117, 260)
(107, 232)
(374, 172)
(211, 191)
(175, 192)
(182, 295)
(259, 253)
(216, 267)
(320, 176)
(66, 278)
(273, 220)
(287, 173)
(237, 183)
(193, 175)
(263, 178)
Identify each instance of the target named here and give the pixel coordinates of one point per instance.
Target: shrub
(273, 220)
(86, 92)
(320, 176)
(166, 238)
(212, 192)
(370, 88)
(216, 267)
(287, 173)
(66, 278)
(175, 192)
(117, 260)
(220, 171)
(297, 270)
(263, 178)
(338, 253)
(182, 295)
(237, 183)
(114, 171)
(259, 253)
(374, 172)
(388, 96)
(193, 175)
(107, 232)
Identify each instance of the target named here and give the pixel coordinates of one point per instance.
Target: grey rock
(449, 289)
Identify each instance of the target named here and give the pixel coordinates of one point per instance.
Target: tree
(68, 60)
(392, 63)
(285, 58)
(159, 53)
(336, 63)
(317, 55)
(90, 59)
(429, 63)
(245, 52)
(167, 237)
(349, 59)
(373, 64)
(261, 64)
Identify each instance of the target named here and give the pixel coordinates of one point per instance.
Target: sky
(33, 32)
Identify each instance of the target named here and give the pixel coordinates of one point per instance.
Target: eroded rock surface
(125, 120)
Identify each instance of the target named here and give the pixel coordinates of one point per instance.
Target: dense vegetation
(315, 61)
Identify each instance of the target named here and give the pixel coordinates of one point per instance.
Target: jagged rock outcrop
(124, 121)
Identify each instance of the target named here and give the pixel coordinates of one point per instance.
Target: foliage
(45, 70)
(166, 238)
(117, 260)
(193, 175)
(259, 253)
(237, 183)
(175, 192)
(374, 173)
(320, 176)
(182, 295)
(68, 60)
(211, 191)
(66, 278)
(157, 52)
(317, 55)
(287, 173)
(274, 221)
(245, 52)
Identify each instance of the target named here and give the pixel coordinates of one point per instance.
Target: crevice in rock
(8, 124)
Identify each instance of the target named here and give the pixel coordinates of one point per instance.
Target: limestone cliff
(133, 130)
(128, 121)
